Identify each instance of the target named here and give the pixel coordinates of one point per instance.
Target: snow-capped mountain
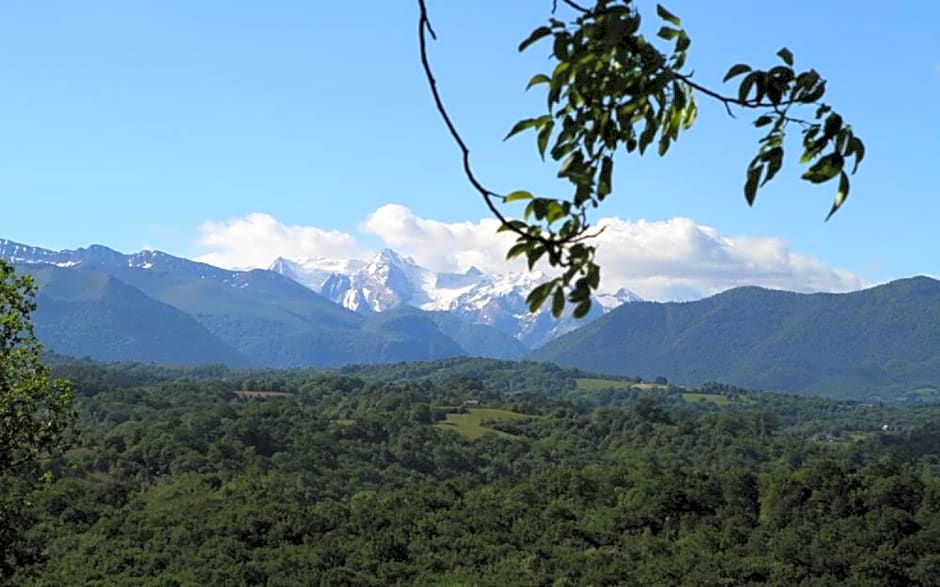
(390, 280)
(102, 256)
(609, 301)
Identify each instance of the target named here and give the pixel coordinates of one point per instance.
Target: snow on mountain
(99, 255)
(314, 272)
(389, 280)
(384, 282)
(609, 301)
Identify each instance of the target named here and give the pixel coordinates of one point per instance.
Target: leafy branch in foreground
(611, 88)
(35, 411)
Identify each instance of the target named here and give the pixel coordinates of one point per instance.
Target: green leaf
(512, 225)
(517, 195)
(736, 70)
(786, 56)
(581, 310)
(682, 44)
(647, 136)
(664, 141)
(594, 276)
(533, 255)
(521, 126)
(750, 186)
(824, 169)
(833, 124)
(691, 113)
(858, 148)
(809, 155)
(815, 94)
(763, 120)
(667, 33)
(539, 78)
(542, 140)
(667, 16)
(558, 302)
(841, 195)
(537, 296)
(554, 212)
(746, 84)
(517, 250)
(560, 48)
(774, 160)
(538, 207)
(604, 185)
(539, 33)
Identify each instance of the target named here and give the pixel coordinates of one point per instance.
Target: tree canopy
(611, 89)
(35, 411)
(470, 472)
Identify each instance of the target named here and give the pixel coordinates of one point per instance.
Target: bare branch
(489, 196)
(576, 6)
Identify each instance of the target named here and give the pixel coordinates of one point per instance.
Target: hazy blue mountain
(474, 340)
(887, 336)
(89, 313)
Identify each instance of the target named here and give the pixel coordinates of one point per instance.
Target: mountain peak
(393, 257)
(389, 280)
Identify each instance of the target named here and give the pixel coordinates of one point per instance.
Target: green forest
(470, 472)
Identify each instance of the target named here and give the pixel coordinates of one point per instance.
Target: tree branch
(576, 6)
(729, 100)
(425, 29)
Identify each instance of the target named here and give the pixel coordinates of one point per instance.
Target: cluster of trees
(347, 480)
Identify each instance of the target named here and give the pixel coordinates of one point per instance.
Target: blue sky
(165, 124)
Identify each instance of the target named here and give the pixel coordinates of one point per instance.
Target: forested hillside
(435, 473)
(871, 343)
(175, 311)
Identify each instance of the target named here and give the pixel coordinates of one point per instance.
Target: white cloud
(675, 259)
(256, 240)
(679, 259)
(439, 245)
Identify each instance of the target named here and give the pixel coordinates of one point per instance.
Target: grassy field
(590, 384)
(689, 394)
(715, 398)
(595, 384)
(470, 425)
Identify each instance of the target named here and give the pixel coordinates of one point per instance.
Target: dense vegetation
(868, 345)
(211, 476)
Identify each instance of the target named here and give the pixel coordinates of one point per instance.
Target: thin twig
(729, 100)
(576, 6)
(585, 237)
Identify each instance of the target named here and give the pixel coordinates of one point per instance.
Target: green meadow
(471, 424)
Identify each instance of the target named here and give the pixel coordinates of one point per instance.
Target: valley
(436, 472)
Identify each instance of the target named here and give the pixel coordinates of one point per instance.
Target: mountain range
(390, 280)
(151, 306)
(154, 307)
(842, 345)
